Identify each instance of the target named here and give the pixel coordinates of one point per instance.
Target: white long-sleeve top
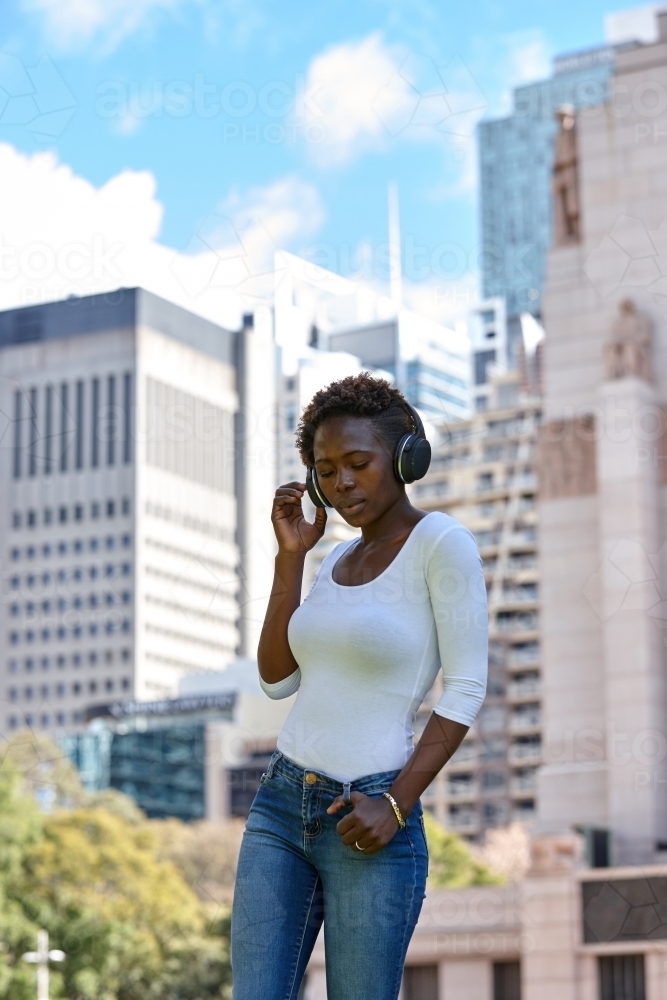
(368, 654)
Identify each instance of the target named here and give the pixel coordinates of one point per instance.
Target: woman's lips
(351, 506)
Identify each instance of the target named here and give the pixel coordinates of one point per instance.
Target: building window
(27, 693)
(15, 610)
(45, 663)
(76, 688)
(30, 552)
(110, 542)
(108, 570)
(63, 426)
(79, 425)
(48, 515)
(62, 515)
(127, 418)
(420, 982)
(92, 629)
(111, 508)
(92, 659)
(126, 505)
(125, 684)
(127, 540)
(13, 666)
(46, 551)
(13, 722)
(32, 518)
(92, 687)
(482, 360)
(126, 597)
(621, 977)
(126, 625)
(94, 509)
(48, 431)
(16, 520)
(95, 441)
(78, 545)
(108, 685)
(61, 661)
(13, 694)
(60, 718)
(34, 434)
(78, 512)
(126, 569)
(125, 654)
(93, 544)
(62, 548)
(60, 690)
(506, 981)
(18, 416)
(13, 638)
(46, 635)
(111, 420)
(44, 691)
(16, 554)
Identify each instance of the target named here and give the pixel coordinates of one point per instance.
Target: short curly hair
(357, 396)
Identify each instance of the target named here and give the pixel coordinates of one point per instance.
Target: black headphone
(411, 461)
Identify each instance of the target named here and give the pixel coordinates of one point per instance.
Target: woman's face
(355, 469)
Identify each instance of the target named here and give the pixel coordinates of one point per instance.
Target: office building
(515, 157)
(318, 309)
(124, 563)
(484, 475)
(197, 756)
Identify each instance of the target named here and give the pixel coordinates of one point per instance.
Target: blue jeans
(295, 872)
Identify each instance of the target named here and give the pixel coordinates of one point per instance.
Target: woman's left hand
(371, 823)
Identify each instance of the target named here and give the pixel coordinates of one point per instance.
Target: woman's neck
(397, 521)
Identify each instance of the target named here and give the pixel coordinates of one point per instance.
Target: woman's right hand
(293, 532)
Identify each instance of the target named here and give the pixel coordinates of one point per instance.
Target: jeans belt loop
(346, 793)
(272, 763)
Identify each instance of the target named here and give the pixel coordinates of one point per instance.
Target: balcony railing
(525, 751)
(524, 689)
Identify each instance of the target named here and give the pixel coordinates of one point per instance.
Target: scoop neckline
(358, 586)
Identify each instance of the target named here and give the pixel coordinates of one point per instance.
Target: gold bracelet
(394, 806)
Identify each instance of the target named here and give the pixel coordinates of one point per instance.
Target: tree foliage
(452, 865)
(95, 877)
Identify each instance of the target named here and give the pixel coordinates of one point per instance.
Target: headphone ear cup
(314, 491)
(413, 457)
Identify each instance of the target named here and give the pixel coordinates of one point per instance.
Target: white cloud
(73, 23)
(360, 96)
(61, 235)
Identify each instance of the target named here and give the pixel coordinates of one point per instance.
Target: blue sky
(294, 114)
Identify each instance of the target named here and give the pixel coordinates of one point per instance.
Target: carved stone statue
(628, 350)
(565, 188)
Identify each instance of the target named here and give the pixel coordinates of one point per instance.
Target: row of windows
(62, 548)
(45, 720)
(31, 517)
(94, 601)
(45, 662)
(55, 436)
(60, 690)
(46, 634)
(62, 576)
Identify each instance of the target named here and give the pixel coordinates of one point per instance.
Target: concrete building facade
(121, 462)
(484, 475)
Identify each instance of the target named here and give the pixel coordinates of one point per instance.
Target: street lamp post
(41, 959)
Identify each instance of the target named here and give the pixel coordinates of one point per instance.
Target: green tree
(93, 876)
(452, 865)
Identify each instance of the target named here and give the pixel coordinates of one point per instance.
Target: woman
(335, 832)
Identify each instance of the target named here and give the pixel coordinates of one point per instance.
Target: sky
(177, 143)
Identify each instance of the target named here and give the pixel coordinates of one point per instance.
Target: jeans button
(311, 778)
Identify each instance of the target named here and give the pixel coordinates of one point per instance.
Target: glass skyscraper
(515, 173)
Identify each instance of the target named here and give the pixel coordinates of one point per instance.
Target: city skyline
(161, 138)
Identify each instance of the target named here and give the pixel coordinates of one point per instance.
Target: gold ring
(356, 844)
